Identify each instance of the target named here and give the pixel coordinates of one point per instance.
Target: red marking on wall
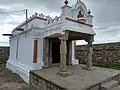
(35, 54)
(78, 22)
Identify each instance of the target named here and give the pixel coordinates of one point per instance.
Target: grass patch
(116, 68)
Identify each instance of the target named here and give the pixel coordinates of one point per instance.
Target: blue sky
(106, 16)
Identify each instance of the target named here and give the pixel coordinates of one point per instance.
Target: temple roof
(67, 13)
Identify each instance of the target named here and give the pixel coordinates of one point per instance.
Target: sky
(106, 14)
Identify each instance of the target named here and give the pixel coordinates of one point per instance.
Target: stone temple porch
(66, 37)
(48, 79)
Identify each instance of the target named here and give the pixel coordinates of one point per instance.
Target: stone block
(49, 85)
(109, 85)
(44, 87)
(65, 74)
(39, 84)
(40, 80)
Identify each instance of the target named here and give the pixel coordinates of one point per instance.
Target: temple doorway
(55, 51)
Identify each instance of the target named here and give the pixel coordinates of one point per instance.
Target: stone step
(116, 88)
(109, 85)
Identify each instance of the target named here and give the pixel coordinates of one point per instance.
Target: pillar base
(65, 74)
(44, 67)
(89, 68)
(70, 64)
(75, 61)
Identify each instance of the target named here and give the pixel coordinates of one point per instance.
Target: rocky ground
(11, 81)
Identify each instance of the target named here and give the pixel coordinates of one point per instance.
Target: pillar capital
(63, 38)
(64, 35)
(90, 38)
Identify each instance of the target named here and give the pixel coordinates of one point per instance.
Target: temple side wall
(25, 50)
(22, 62)
(105, 55)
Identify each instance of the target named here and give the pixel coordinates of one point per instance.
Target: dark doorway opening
(55, 51)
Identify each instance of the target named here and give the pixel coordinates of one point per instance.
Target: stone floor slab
(80, 79)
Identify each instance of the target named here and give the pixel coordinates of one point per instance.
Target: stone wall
(39, 83)
(4, 54)
(105, 55)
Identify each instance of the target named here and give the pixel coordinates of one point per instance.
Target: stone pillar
(63, 53)
(75, 49)
(70, 53)
(89, 55)
(46, 52)
(50, 53)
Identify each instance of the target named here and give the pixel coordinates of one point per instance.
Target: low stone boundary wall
(40, 83)
(4, 54)
(105, 55)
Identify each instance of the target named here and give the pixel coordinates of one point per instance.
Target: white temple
(43, 41)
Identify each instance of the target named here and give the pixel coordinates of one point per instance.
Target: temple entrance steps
(116, 88)
(111, 83)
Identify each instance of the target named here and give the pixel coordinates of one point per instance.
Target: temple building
(42, 41)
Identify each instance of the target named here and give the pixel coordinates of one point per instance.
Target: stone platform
(48, 79)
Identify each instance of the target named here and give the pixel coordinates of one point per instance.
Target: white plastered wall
(24, 62)
(74, 60)
(21, 64)
(39, 63)
(34, 23)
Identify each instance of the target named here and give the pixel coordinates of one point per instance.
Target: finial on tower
(78, 1)
(89, 12)
(66, 2)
